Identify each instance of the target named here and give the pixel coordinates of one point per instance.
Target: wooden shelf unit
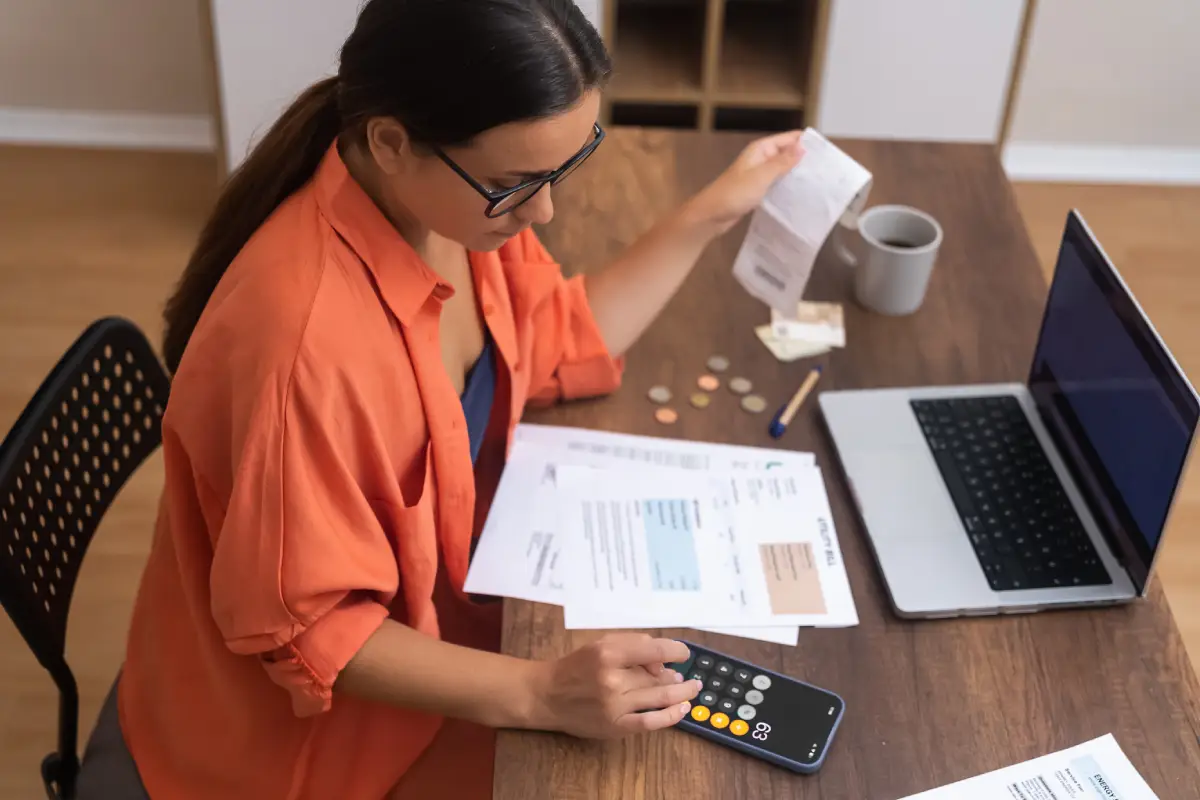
(714, 64)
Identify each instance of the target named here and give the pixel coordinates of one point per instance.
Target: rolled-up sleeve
(302, 570)
(569, 359)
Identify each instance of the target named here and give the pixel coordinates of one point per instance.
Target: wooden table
(928, 703)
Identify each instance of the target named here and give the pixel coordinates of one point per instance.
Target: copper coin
(718, 363)
(666, 416)
(700, 400)
(754, 404)
(740, 385)
(659, 394)
(708, 383)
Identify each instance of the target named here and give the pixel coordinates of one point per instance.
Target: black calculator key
(704, 662)
(707, 699)
(716, 684)
(728, 705)
(741, 675)
(697, 675)
(724, 669)
(736, 691)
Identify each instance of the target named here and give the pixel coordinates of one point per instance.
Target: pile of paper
(812, 330)
(638, 532)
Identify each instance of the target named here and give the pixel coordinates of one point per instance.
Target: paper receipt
(797, 215)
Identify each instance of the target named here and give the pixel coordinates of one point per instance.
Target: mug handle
(847, 242)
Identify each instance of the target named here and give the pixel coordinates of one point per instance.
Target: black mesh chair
(90, 425)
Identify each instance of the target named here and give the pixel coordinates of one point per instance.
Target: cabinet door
(918, 69)
(267, 52)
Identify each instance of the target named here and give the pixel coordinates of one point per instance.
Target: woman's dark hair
(447, 69)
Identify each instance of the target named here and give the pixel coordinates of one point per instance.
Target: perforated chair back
(90, 425)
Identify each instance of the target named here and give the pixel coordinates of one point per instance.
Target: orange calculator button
(719, 720)
(700, 713)
(738, 727)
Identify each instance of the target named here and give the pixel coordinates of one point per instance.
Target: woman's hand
(739, 189)
(615, 686)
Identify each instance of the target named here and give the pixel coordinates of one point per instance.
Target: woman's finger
(643, 721)
(661, 696)
(638, 678)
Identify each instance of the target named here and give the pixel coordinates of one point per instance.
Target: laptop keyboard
(1016, 514)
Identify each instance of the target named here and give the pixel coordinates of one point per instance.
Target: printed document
(788, 230)
(1095, 770)
(675, 548)
(519, 553)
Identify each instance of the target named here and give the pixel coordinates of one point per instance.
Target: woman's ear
(390, 145)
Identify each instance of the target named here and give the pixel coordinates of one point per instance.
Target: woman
(364, 318)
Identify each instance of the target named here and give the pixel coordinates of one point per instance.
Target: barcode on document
(769, 277)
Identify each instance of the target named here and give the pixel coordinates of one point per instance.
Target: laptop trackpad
(918, 536)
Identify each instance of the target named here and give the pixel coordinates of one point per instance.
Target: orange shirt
(318, 480)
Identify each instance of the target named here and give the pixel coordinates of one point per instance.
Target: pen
(784, 416)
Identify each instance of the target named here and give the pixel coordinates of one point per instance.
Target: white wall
(1111, 91)
(918, 69)
(118, 73)
(258, 81)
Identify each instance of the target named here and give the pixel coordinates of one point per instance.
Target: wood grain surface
(928, 703)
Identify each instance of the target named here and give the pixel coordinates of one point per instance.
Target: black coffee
(899, 244)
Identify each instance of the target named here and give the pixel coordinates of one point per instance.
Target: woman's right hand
(614, 686)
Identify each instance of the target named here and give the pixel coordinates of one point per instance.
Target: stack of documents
(638, 532)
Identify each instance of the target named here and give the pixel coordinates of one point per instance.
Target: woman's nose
(539, 209)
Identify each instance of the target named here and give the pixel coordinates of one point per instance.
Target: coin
(666, 416)
(740, 385)
(700, 400)
(659, 394)
(718, 363)
(754, 404)
(708, 383)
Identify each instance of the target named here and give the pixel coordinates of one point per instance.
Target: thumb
(782, 162)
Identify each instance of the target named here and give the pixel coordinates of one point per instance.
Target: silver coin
(754, 404)
(659, 394)
(718, 363)
(740, 385)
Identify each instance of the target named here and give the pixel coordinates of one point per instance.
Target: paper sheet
(669, 548)
(1095, 770)
(789, 228)
(813, 323)
(519, 550)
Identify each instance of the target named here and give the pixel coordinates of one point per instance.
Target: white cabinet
(918, 69)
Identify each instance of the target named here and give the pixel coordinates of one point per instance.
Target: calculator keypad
(731, 694)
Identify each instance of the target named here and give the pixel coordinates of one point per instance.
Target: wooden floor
(85, 234)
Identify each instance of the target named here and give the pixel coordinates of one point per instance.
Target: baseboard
(105, 129)
(1033, 161)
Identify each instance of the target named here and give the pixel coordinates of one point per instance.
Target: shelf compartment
(757, 120)
(654, 115)
(765, 53)
(657, 51)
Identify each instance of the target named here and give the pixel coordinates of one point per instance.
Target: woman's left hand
(741, 187)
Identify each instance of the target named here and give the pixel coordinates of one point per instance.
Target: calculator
(759, 712)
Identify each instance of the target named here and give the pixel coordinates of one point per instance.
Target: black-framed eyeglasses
(502, 201)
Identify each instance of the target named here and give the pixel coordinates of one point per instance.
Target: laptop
(1012, 498)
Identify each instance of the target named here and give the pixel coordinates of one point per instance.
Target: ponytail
(285, 159)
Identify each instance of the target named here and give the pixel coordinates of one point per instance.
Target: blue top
(479, 392)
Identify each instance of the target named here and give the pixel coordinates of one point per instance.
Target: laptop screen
(1120, 410)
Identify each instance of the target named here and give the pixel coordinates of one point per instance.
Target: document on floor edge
(1095, 770)
(518, 553)
(675, 548)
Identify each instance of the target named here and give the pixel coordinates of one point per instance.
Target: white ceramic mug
(894, 251)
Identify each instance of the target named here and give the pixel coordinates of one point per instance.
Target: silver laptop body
(931, 561)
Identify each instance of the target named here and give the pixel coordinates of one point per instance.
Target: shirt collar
(404, 280)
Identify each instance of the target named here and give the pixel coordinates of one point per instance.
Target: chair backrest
(91, 424)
